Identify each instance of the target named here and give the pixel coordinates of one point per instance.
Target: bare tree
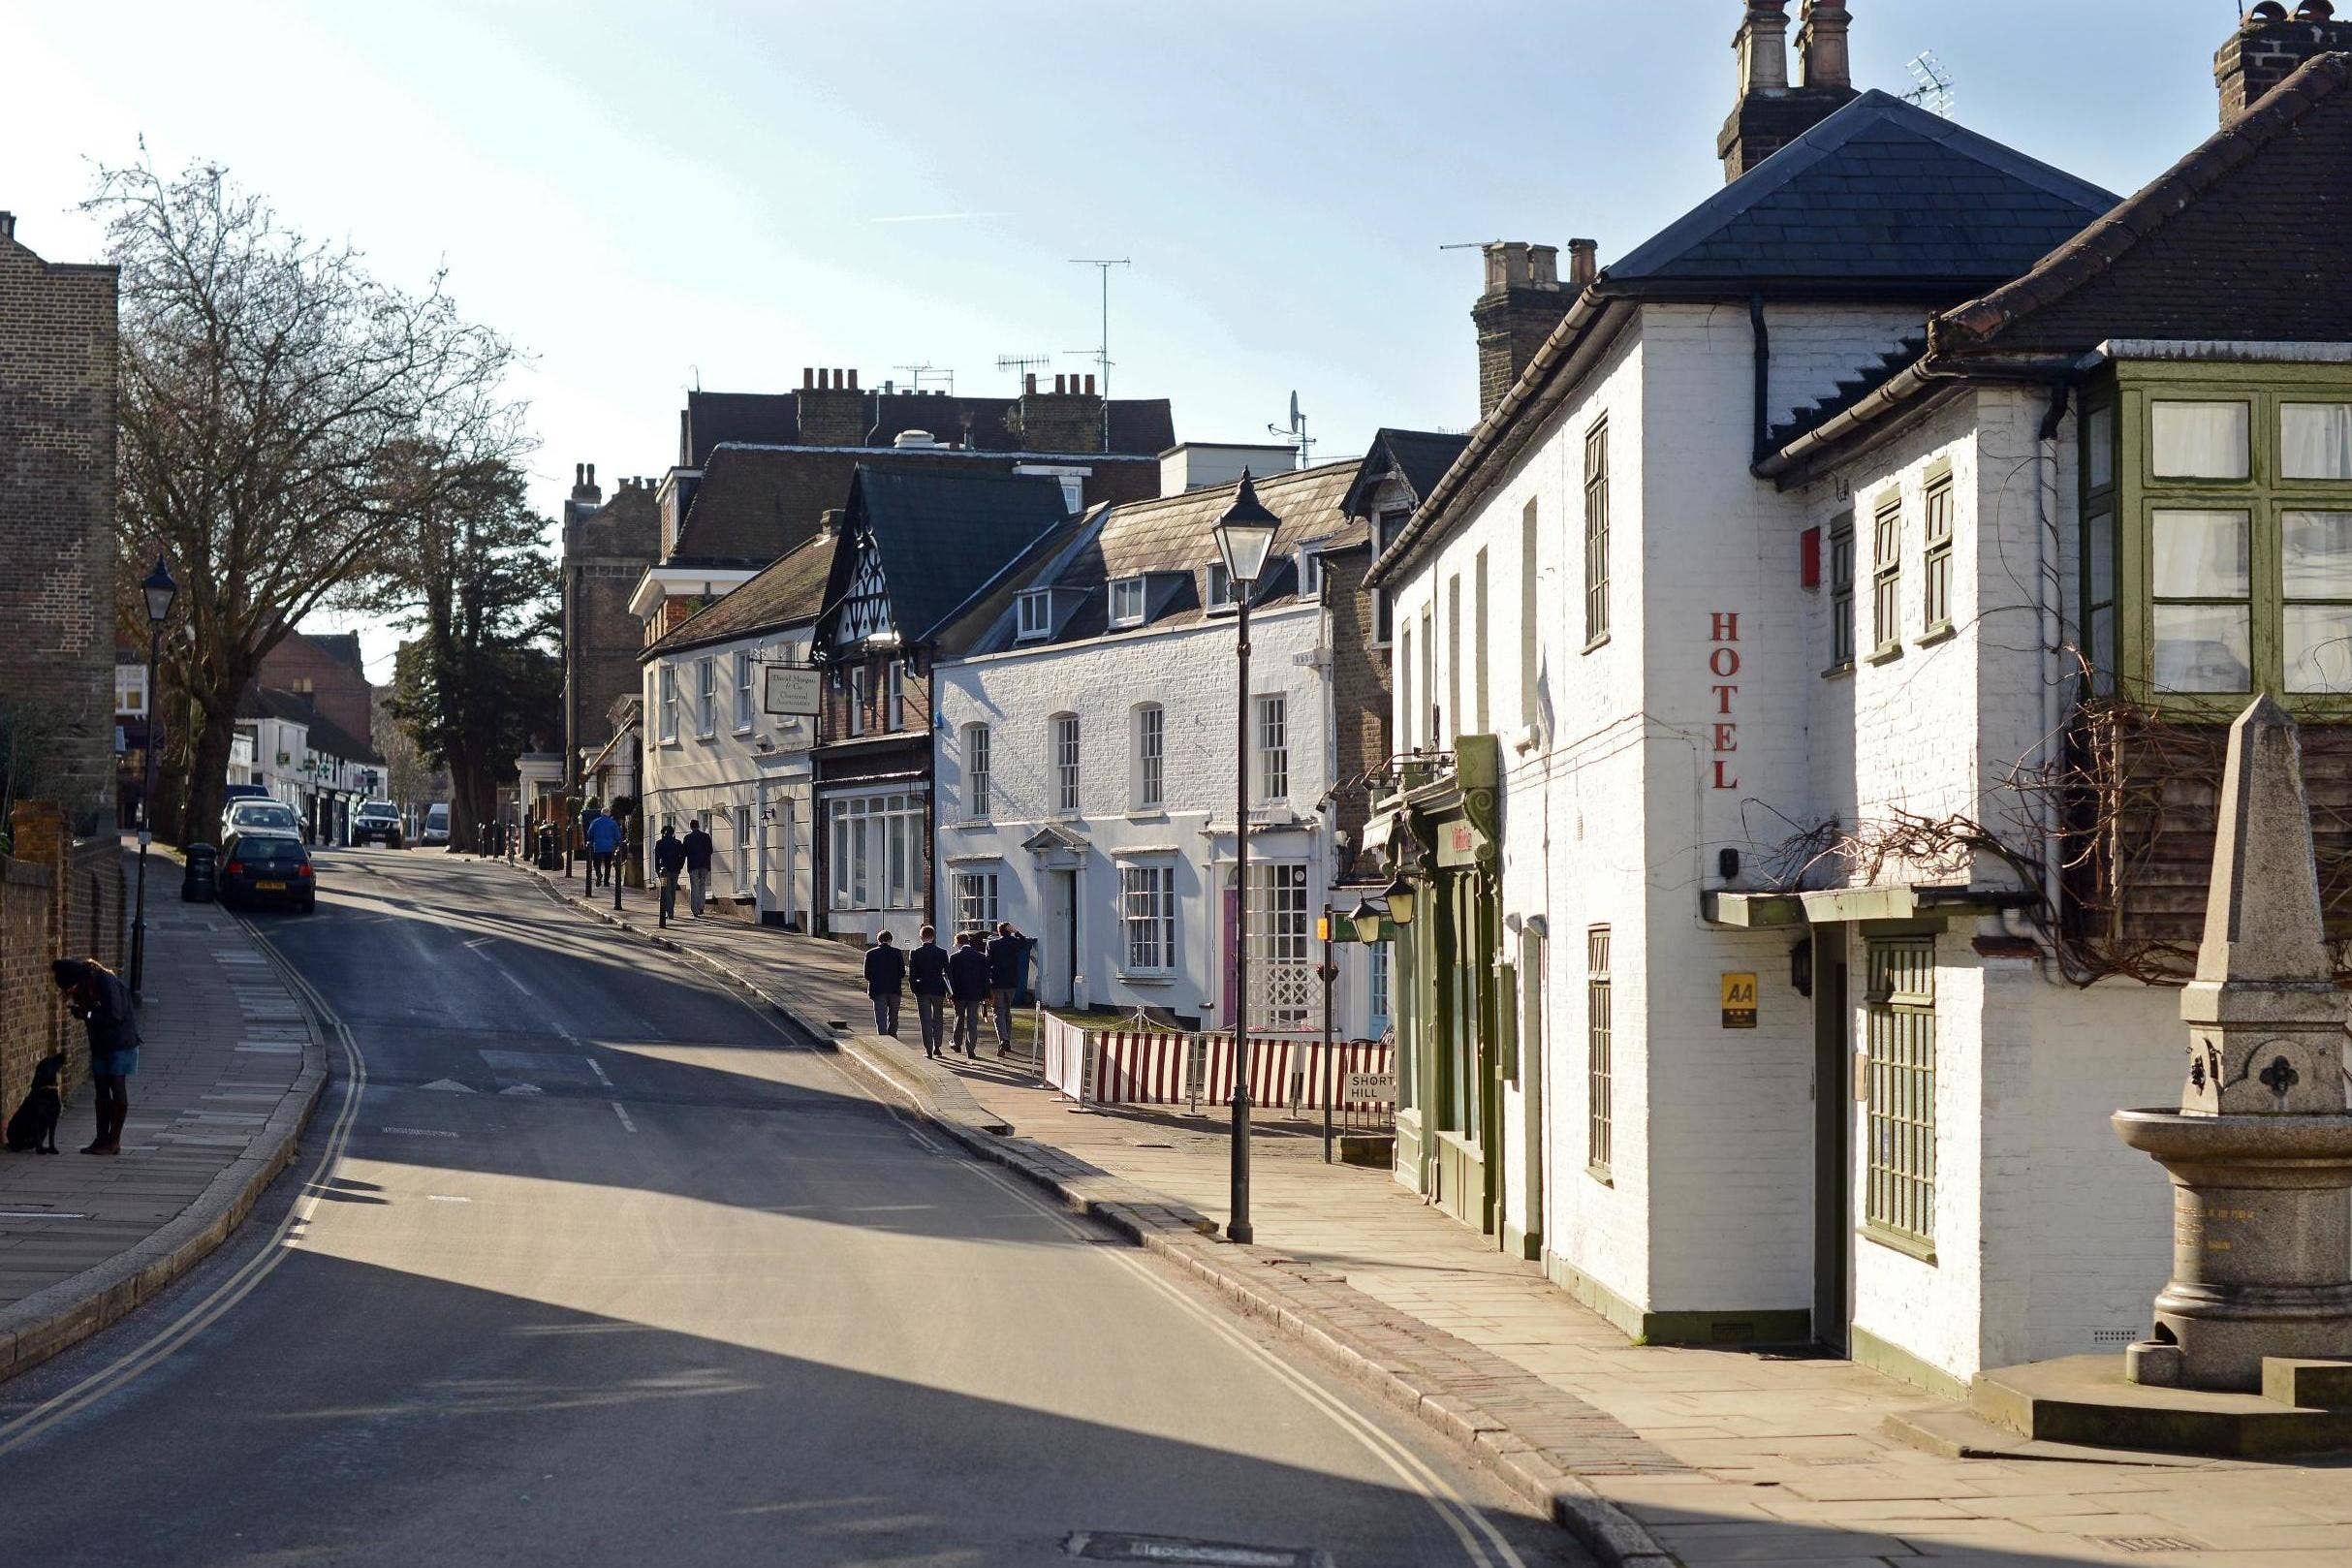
(276, 402)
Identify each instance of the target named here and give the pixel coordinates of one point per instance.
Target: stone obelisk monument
(2260, 1151)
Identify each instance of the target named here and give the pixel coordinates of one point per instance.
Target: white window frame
(975, 901)
(1151, 725)
(669, 684)
(1066, 758)
(1147, 919)
(977, 741)
(1034, 614)
(745, 674)
(707, 695)
(1216, 593)
(1310, 575)
(856, 699)
(743, 849)
(1127, 589)
(1270, 746)
(877, 852)
(897, 711)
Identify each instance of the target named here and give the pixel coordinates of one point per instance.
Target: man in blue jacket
(603, 843)
(968, 984)
(926, 976)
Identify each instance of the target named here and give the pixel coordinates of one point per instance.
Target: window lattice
(1597, 1027)
(1901, 1014)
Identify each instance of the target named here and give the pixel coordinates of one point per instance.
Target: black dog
(34, 1126)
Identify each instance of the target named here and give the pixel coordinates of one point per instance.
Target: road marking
(598, 1068)
(421, 1132)
(621, 1111)
(445, 1198)
(165, 1341)
(523, 1089)
(37, 1213)
(1408, 1466)
(450, 1086)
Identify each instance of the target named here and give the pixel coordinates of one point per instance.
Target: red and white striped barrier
(1152, 1067)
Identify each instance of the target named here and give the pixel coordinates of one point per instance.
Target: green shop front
(1443, 843)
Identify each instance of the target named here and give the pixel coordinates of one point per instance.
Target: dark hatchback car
(267, 869)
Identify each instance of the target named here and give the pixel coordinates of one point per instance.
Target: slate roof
(943, 534)
(1140, 426)
(1878, 192)
(2247, 237)
(1850, 391)
(1420, 458)
(1168, 542)
(292, 708)
(341, 647)
(755, 503)
(790, 592)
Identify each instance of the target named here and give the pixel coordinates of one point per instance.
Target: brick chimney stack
(2270, 45)
(1067, 419)
(1516, 310)
(1584, 263)
(1770, 113)
(583, 484)
(829, 408)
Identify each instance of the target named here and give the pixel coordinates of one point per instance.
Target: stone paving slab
(85, 1240)
(1653, 1455)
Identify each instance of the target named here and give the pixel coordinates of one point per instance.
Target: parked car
(267, 869)
(265, 815)
(436, 824)
(243, 792)
(377, 820)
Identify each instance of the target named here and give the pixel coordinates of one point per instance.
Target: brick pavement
(228, 1071)
(1705, 1456)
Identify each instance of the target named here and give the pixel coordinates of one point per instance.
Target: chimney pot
(1762, 46)
(808, 378)
(1028, 383)
(2315, 10)
(1821, 43)
(8, 226)
(591, 475)
(580, 474)
(853, 378)
(1089, 386)
(2268, 11)
(1583, 262)
(2268, 47)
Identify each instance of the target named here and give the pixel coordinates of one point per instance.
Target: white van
(436, 824)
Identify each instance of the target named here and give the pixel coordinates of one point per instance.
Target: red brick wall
(336, 689)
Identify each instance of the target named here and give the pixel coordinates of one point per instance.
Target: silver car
(251, 816)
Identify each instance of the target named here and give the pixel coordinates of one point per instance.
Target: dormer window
(1035, 614)
(1127, 602)
(1310, 575)
(1220, 587)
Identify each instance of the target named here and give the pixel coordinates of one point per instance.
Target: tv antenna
(1020, 365)
(1102, 352)
(1934, 90)
(934, 371)
(1295, 433)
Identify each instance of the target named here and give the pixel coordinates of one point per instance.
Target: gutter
(1913, 382)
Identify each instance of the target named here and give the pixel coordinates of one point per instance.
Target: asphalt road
(586, 1262)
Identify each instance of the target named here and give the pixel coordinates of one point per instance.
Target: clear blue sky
(640, 194)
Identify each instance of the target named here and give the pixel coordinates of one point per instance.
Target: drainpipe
(2046, 559)
(1762, 336)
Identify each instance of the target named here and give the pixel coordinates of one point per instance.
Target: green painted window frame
(1599, 1042)
(1841, 593)
(1937, 516)
(1899, 1123)
(2119, 518)
(1596, 534)
(1886, 575)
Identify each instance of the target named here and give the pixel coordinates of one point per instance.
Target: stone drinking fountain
(2260, 1150)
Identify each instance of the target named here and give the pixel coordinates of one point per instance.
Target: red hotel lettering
(1723, 627)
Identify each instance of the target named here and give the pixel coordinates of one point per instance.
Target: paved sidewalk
(1653, 1454)
(228, 1074)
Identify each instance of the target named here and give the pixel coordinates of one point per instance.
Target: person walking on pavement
(698, 863)
(884, 973)
(668, 860)
(1005, 959)
(97, 996)
(926, 976)
(968, 984)
(603, 843)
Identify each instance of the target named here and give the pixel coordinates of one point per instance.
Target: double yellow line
(161, 1345)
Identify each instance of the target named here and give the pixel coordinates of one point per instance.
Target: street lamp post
(159, 590)
(1327, 972)
(1246, 534)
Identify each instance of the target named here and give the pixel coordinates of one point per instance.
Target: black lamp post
(1245, 535)
(160, 590)
(1328, 971)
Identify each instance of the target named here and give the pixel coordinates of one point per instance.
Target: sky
(649, 196)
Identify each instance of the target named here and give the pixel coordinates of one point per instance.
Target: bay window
(2216, 523)
(877, 852)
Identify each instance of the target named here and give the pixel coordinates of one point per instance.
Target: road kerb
(1609, 1532)
(50, 1321)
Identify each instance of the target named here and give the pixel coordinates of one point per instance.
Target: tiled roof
(1851, 390)
(790, 592)
(944, 534)
(291, 708)
(2247, 237)
(1168, 542)
(1880, 191)
(1140, 426)
(1420, 458)
(341, 647)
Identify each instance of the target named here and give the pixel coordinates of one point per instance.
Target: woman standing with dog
(98, 998)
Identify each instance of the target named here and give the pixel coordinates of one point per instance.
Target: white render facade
(712, 753)
(1085, 791)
